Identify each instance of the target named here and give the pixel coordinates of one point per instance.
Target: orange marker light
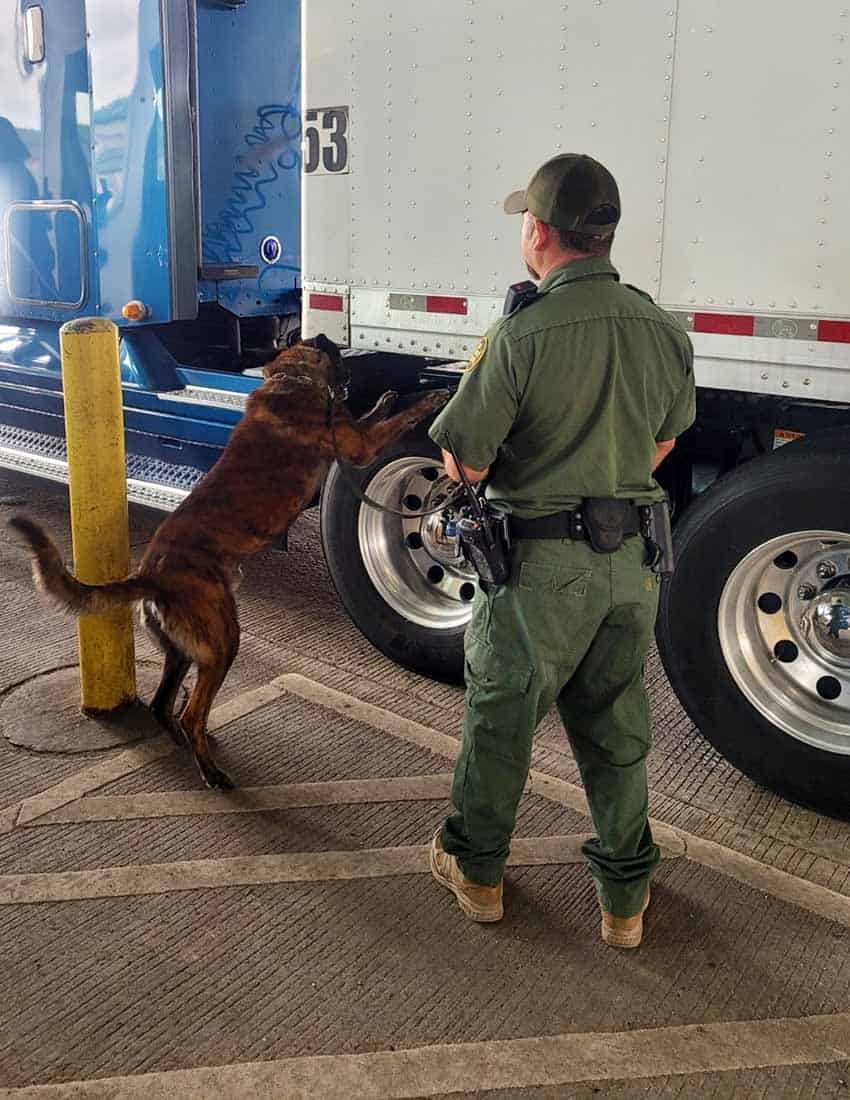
(135, 311)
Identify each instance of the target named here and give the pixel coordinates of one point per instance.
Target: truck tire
(400, 580)
(754, 625)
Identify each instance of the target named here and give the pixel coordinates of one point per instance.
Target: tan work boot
(479, 903)
(623, 931)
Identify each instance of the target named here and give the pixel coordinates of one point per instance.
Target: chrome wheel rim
(415, 569)
(763, 621)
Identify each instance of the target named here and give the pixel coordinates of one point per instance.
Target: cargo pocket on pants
(499, 723)
(500, 711)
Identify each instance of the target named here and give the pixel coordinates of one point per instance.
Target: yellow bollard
(94, 428)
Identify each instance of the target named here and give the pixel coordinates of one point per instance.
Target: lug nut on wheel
(826, 569)
(806, 592)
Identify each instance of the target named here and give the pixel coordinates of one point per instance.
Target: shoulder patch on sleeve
(478, 354)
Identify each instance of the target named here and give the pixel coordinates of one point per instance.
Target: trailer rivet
(764, 376)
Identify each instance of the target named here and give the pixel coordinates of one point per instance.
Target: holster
(486, 543)
(657, 532)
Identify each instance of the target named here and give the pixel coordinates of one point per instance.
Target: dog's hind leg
(162, 705)
(173, 673)
(204, 628)
(194, 721)
(213, 660)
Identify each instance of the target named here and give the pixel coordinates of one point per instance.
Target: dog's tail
(59, 583)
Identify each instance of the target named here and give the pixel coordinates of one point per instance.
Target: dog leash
(350, 480)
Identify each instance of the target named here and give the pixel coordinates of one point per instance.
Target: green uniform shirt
(566, 398)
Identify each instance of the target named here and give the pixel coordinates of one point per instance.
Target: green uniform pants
(570, 627)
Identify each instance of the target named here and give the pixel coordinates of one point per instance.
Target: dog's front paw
(385, 404)
(428, 405)
(437, 399)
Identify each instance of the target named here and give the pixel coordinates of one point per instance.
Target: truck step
(150, 481)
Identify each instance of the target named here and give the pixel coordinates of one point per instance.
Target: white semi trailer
(726, 125)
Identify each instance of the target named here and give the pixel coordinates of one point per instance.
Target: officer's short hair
(583, 242)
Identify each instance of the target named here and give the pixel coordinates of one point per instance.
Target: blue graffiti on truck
(274, 146)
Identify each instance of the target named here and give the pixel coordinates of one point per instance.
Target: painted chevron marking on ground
(557, 790)
(807, 895)
(780, 884)
(550, 1060)
(61, 800)
(127, 807)
(210, 874)
(130, 760)
(8, 817)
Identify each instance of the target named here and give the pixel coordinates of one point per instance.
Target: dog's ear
(325, 345)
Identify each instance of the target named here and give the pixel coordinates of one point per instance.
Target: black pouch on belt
(606, 521)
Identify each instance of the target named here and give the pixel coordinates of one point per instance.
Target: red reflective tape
(725, 324)
(333, 303)
(835, 332)
(437, 303)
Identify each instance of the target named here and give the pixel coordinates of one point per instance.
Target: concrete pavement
(286, 940)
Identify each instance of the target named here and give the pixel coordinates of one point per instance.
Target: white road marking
(208, 874)
(482, 1067)
(346, 792)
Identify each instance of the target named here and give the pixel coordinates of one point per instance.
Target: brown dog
(271, 469)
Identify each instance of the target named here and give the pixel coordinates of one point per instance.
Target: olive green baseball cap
(573, 192)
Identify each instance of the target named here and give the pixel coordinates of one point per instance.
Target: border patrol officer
(578, 395)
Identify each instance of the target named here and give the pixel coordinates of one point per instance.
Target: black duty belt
(566, 525)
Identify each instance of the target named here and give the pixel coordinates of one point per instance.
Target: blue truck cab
(150, 157)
